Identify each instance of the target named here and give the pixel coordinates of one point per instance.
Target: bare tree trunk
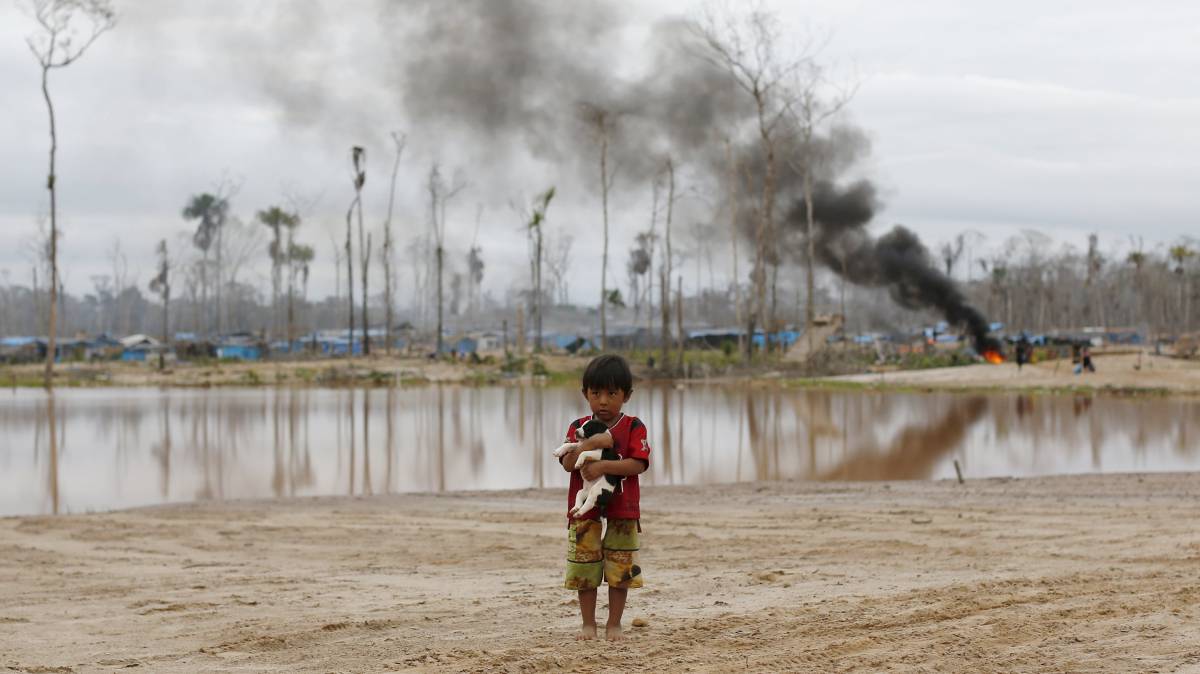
(438, 255)
(291, 294)
(357, 156)
(350, 278)
(276, 283)
(364, 250)
(220, 274)
(666, 266)
(650, 308)
(166, 323)
(733, 222)
(679, 321)
(537, 300)
(52, 330)
(845, 272)
(650, 269)
(604, 257)
(769, 327)
(764, 229)
(810, 250)
(388, 278)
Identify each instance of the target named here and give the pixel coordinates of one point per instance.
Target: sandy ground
(1076, 574)
(1125, 372)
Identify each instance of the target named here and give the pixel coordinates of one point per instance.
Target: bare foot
(614, 633)
(586, 633)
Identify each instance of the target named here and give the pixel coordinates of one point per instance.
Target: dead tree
(66, 28)
(475, 267)
(603, 120)
(679, 322)
(651, 238)
(810, 110)
(364, 252)
(439, 194)
(537, 216)
(161, 284)
(359, 176)
(389, 279)
(748, 51)
(665, 265)
(732, 178)
(558, 259)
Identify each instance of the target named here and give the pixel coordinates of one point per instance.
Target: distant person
(613, 558)
(1023, 348)
(1086, 355)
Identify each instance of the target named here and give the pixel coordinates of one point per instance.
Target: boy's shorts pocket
(585, 557)
(621, 543)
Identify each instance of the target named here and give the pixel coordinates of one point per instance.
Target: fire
(993, 357)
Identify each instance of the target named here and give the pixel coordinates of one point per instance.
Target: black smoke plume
(897, 261)
(503, 79)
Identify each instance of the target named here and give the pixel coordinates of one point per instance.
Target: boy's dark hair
(609, 372)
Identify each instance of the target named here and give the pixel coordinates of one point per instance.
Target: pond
(101, 449)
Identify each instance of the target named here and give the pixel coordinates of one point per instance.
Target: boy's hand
(592, 470)
(569, 459)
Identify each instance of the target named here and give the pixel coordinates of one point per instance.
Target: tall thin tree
(603, 120)
(161, 284)
(749, 51)
(665, 265)
(810, 109)
(210, 211)
(537, 218)
(359, 176)
(276, 219)
(66, 29)
(439, 194)
(386, 255)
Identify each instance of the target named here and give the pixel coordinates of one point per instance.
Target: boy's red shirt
(629, 440)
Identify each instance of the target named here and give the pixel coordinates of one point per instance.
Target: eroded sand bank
(1095, 573)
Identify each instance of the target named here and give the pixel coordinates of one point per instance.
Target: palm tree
(1180, 254)
(275, 219)
(299, 257)
(211, 211)
(537, 216)
(1137, 258)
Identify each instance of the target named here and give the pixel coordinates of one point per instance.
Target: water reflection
(81, 450)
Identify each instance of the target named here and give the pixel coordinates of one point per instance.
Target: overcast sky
(1064, 117)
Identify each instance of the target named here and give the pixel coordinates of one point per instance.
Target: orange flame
(993, 357)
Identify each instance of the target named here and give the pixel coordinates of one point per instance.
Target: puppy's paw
(566, 447)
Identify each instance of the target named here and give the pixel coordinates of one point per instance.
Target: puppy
(598, 491)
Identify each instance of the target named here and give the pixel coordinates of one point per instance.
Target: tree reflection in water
(140, 447)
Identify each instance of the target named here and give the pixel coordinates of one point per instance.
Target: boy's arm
(602, 441)
(623, 468)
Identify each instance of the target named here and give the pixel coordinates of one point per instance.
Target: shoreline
(1121, 374)
(767, 575)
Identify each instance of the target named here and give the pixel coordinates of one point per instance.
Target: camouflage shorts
(615, 559)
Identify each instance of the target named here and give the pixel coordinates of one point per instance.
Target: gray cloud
(999, 118)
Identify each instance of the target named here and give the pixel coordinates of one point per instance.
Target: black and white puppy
(598, 491)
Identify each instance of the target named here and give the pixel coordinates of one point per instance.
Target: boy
(607, 386)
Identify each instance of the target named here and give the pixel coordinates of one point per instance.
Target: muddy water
(103, 449)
